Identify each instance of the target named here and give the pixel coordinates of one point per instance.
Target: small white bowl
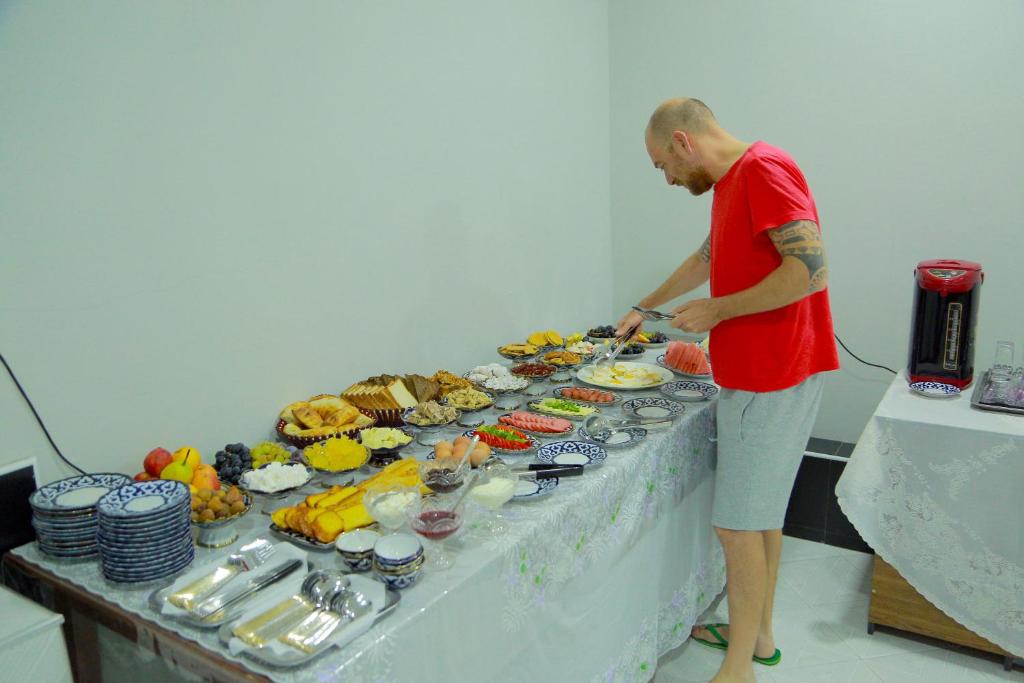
(396, 550)
(357, 541)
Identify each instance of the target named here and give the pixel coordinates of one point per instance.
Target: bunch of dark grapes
(603, 332)
(296, 453)
(633, 349)
(232, 462)
(657, 337)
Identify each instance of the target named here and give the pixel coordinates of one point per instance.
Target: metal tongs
(610, 355)
(651, 314)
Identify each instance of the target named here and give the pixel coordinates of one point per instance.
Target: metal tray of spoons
(265, 655)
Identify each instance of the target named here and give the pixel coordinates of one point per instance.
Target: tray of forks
(288, 657)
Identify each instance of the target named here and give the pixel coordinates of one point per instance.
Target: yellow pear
(187, 455)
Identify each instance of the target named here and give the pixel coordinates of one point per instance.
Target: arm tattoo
(802, 240)
(705, 250)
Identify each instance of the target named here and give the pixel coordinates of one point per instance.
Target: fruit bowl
(220, 532)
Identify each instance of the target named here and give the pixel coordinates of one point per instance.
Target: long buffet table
(592, 582)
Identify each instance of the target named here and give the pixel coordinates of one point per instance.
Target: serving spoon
(599, 423)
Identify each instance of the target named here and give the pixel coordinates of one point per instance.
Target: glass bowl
(442, 476)
(388, 504)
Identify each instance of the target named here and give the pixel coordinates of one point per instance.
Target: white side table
(31, 641)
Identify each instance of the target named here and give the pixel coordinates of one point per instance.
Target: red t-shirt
(777, 349)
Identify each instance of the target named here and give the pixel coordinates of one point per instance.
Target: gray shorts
(761, 441)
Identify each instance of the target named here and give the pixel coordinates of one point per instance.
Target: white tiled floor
(821, 609)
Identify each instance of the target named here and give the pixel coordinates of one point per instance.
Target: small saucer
(935, 389)
(471, 421)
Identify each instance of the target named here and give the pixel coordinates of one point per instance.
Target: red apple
(156, 460)
(144, 476)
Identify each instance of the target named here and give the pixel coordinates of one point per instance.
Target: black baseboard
(814, 513)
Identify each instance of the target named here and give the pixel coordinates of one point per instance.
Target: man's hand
(699, 315)
(629, 320)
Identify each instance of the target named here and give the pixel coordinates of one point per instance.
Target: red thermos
(946, 300)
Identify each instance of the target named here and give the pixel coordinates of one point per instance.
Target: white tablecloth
(934, 486)
(593, 582)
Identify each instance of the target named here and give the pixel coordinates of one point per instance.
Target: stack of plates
(145, 532)
(64, 513)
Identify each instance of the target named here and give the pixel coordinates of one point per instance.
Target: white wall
(907, 118)
(208, 210)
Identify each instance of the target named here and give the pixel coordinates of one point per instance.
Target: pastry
(519, 349)
(307, 416)
(450, 382)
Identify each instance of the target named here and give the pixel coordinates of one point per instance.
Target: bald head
(681, 113)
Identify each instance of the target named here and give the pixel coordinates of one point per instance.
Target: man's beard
(699, 181)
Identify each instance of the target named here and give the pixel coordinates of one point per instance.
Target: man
(771, 338)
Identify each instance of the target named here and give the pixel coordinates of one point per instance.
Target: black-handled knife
(256, 584)
(555, 472)
(541, 466)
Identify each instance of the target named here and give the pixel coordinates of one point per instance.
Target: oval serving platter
(653, 407)
(572, 453)
(662, 363)
(689, 390)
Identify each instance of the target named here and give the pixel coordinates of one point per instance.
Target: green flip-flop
(720, 643)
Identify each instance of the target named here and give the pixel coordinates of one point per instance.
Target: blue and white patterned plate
(148, 568)
(572, 453)
(144, 498)
(89, 552)
(151, 568)
(147, 574)
(116, 545)
(689, 390)
(622, 438)
(145, 561)
(78, 544)
(57, 537)
(653, 406)
(141, 525)
(169, 553)
(114, 542)
(89, 516)
(935, 389)
(76, 493)
(46, 526)
(528, 489)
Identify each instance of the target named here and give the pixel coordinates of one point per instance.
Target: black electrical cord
(874, 365)
(39, 419)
